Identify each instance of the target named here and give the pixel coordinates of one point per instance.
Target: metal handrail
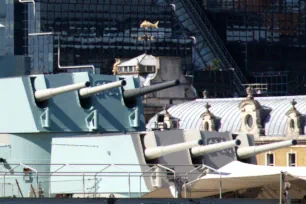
(214, 170)
(186, 175)
(113, 165)
(26, 166)
(154, 167)
(33, 169)
(135, 174)
(212, 34)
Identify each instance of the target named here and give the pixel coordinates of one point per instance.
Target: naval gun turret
(53, 113)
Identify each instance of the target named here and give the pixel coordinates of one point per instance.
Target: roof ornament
(249, 92)
(166, 109)
(207, 106)
(115, 66)
(205, 94)
(293, 103)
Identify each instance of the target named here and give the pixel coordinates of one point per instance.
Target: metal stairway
(208, 45)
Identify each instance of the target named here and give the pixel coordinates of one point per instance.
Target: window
(160, 118)
(270, 159)
(174, 124)
(206, 126)
(291, 158)
(249, 121)
(150, 69)
(292, 126)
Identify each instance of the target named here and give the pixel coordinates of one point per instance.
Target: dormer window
(251, 115)
(208, 120)
(166, 121)
(206, 126)
(292, 124)
(294, 121)
(249, 121)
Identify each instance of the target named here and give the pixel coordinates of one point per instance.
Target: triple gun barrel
(85, 91)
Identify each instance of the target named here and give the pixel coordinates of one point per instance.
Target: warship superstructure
(83, 135)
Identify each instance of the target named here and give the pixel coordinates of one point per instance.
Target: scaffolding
(274, 83)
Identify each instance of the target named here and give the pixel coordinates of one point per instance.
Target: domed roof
(275, 122)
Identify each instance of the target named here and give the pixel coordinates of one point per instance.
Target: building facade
(258, 41)
(96, 32)
(154, 70)
(266, 38)
(268, 119)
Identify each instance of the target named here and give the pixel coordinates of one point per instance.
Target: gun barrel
(127, 94)
(42, 95)
(155, 152)
(202, 150)
(87, 92)
(246, 152)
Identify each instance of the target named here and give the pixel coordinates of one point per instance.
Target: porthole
(249, 121)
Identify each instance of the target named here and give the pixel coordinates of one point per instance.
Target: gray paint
(65, 111)
(26, 148)
(141, 158)
(18, 65)
(183, 157)
(2, 9)
(220, 158)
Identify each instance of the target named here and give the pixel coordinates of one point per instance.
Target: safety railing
(204, 167)
(81, 179)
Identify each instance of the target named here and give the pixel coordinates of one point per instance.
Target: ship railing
(87, 180)
(204, 167)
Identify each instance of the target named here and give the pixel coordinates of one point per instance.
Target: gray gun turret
(45, 94)
(87, 92)
(247, 152)
(202, 150)
(155, 152)
(131, 95)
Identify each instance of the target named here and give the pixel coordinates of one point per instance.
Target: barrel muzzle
(87, 92)
(128, 94)
(43, 95)
(131, 95)
(247, 152)
(206, 149)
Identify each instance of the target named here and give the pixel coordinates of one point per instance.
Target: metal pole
(129, 185)
(33, 191)
(4, 178)
(83, 185)
(220, 187)
(281, 187)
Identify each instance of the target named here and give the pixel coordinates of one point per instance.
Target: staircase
(208, 46)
